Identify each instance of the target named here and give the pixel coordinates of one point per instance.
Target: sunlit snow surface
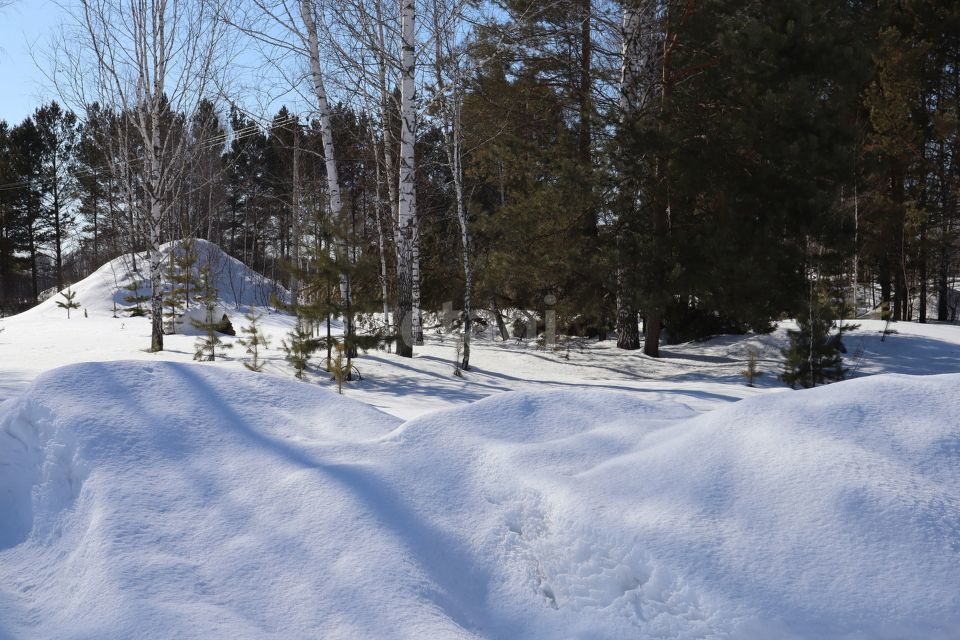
(595, 495)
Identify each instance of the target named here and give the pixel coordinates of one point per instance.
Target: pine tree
(815, 353)
(135, 298)
(254, 340)
(742, 155)
(207, 344)
(751, 373)
(300, 346)
(340, 367)
(180, 275)
(174, 300)
(68, 302)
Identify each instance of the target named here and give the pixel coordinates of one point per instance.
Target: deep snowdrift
(175, 500)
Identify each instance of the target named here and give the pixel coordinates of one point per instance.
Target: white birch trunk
(153, 97)
(381, 239)
(408, 269)
(451, 102)
(325, 115)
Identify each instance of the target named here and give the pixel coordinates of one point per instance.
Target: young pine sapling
(136, 299)
(253, 339)
(207, 344)
(299, 347)
(68, 302)
(751, 373)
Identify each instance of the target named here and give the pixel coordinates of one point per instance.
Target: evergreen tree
(206, 345)
(135, 298)
(299, 346)
(59, 135)
(751, 373)
(742, 156)
(815, 353)
(180, 274)
(340, 366)
(28, 233)
(68, 302)
(253, 340)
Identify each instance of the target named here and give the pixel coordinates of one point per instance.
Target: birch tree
(450, 75)
(407, 304)
(293, 27)
(366, 39)
(325, 115)
(150, 59)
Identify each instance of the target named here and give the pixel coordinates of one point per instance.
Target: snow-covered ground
(588, 493)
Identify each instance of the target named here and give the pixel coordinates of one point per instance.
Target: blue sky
(24, 25)
(27, 28)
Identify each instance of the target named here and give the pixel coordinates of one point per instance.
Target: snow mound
(237, 284)
(184, 500)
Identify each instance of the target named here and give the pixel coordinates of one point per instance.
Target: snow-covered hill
(183, 500)
(238, 285)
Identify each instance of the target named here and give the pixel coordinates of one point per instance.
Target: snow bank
(184, 500)
(237, 284)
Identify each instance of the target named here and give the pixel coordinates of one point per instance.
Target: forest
(654, 171)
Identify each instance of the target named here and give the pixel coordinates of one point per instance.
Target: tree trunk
(501, 325)
(295, 220)
(381, 239)
(652, 326)
(886, 286)
(943, 284)
(661, 207)
(406, 213)
(156, 224)
(923, 274)
(451, 112)
(57, 226)
(628, 329)
(325, 115)
(585, 105)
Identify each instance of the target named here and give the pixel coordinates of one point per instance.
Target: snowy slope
(238, 285)
(181, 500)
(704, 375)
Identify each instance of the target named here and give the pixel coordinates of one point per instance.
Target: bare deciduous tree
(450, 76)
(151, 61)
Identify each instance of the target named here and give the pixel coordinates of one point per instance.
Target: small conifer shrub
(206, 345)
(299, 347)
(253, 339)
(136, 299)
(68, 302)
(751, 373)
(815, 353)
